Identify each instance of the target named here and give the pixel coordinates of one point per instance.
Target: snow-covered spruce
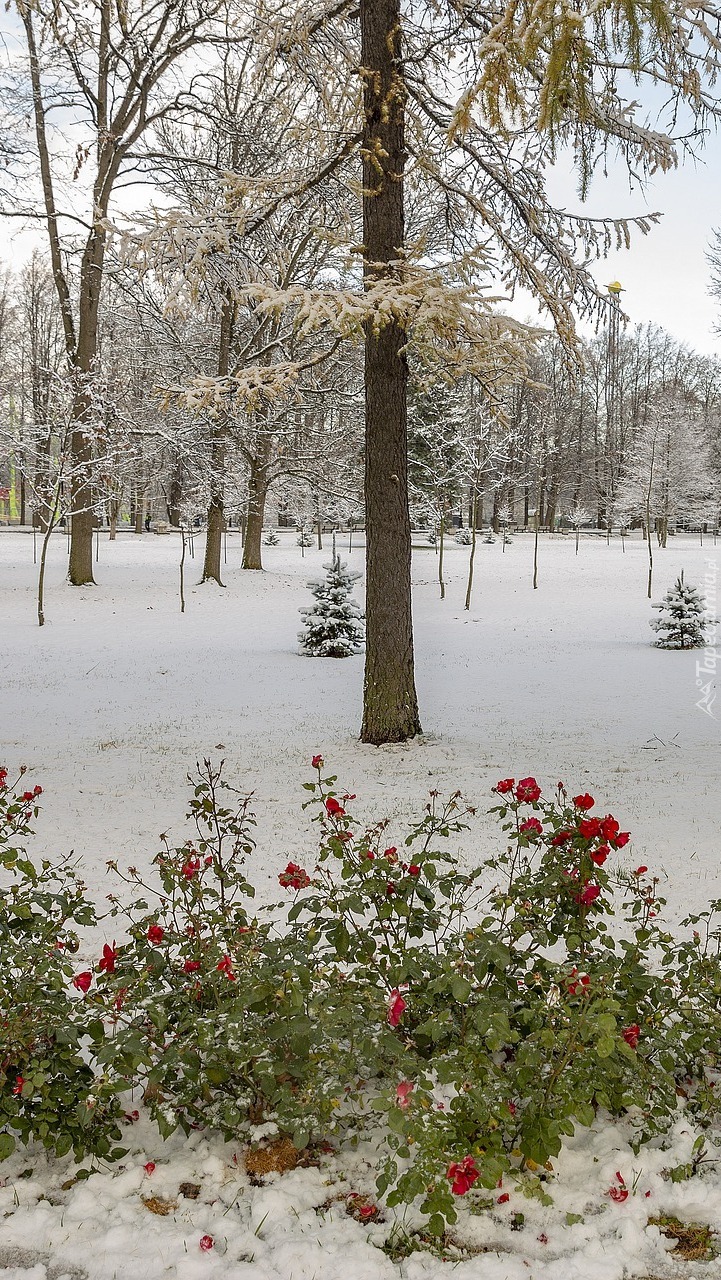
(333, 626)
(683, 620)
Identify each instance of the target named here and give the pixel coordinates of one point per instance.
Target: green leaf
(605, 1047)
(63, 1144)
(7, 1145)
(461, 989)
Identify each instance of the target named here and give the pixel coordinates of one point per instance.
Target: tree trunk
(175, 498)
(139, 513)
(216, 509)
(390, 705)
(80, 565)
(114, 513)
(257, 492)
(472, 558)
(214, 540)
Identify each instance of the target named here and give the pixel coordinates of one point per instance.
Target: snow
(113, 700)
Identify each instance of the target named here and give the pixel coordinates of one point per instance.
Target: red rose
(107, 962)
(403, 1092)
(3, 777)
(82, 981)
(155, 933)
(37, 791)
(589, 895)
(226, 966)
(609, 827)
(206, 1243)
(333, 809)
(640, 871)
(561, 838)
(528, 791)
(532, 824)
(191, 966)
(27, 795)
(149, 1167)
(504, 1198)
(391, 854)
(619, 1194)
(18, 1086)
(396, 1008)
(600, 854)
(584, 802)
(631, 1034)
(505, 785)
(589, 827)
(413, 870)
(317, 762)
(462, 1175)
(294, 877)
(621, 839)
(190, 868)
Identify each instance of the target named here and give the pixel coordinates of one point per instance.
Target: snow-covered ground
(112, 701)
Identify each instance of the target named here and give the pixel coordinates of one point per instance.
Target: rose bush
(465, 1020)
(51, 1088)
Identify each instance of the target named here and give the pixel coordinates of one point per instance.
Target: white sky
(665, 274)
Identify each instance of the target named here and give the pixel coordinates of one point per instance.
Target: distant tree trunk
(214, 540)
(390, 705)
(441, 581)
(472, 558)
(139, 512)
(257, 493)
(649, 491)
(114, 513)
(495, 522)
(175, 497)
(216, 508)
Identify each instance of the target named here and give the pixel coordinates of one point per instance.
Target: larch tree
(527, 81)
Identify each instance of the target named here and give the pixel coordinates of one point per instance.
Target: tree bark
(214, 540)
(139, 512)
(257, 491)
(175, 498)
(216, 507)
(390, 705)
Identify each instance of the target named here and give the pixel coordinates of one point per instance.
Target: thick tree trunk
(80, 565)
(214, 540)
(390, 706)
(257, 491)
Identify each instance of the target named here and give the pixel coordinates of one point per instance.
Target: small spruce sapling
(333, 626)
(683, 619)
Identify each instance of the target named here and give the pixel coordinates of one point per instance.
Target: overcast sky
(665, 274)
